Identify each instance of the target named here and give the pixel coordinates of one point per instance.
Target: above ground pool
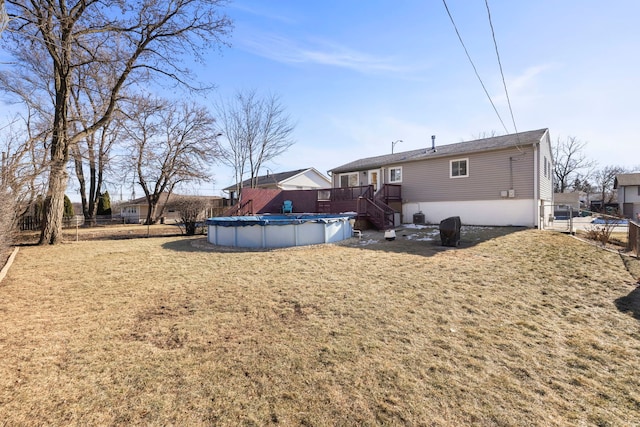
(278, 231)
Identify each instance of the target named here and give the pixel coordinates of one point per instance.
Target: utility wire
(473, 65)
(504, 83)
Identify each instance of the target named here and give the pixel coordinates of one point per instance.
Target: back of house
(499, 181)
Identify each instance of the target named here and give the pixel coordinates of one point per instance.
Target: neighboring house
(135, 211)
(566, 204)
(301, 179)
(503, 180)
(628, 186)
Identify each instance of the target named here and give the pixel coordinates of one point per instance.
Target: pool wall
(278, 231)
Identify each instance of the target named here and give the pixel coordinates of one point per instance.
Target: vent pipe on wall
(433, 143)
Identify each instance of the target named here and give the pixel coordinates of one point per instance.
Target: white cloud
(523, 88)
(320, 52)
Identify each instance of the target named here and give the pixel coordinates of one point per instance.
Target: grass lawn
(524, 328)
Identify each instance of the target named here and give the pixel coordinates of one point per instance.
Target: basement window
(459, 168)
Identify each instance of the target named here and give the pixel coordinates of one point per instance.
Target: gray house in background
(628, 186)
(503, 180)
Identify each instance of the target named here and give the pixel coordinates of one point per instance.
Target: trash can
(418, 218)
(450, 231)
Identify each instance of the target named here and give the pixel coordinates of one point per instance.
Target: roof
(163, 198)
(270, 179)
(460, 148)
(626, 179)
(566, 198)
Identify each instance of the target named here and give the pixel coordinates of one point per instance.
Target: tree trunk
(54, 205)
(58, 177)
(151, 211)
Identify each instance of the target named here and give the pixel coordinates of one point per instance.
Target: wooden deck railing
(241, 208)
(363, 201)
(379, 214)
(349, 193)
(390, 192)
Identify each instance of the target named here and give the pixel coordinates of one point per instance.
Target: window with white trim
(395, 175)
(459, 168)
(349, 180)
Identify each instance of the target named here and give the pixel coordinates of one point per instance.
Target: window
(459, 168)
(349, 180)
(395, 175)
(545, 167)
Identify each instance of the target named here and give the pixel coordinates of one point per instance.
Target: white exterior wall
(308, 180)
(628, 194)
(508, 212)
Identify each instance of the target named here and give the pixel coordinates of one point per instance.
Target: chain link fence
(634, 238)
(568, 219)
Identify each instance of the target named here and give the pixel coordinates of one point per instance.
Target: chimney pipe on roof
(433, 142)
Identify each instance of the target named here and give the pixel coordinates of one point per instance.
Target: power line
(504, 83)
(473, 65)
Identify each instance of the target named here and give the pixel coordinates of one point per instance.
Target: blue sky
(357, 75)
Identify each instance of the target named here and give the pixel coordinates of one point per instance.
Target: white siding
(545, 180)
(628, 194)
(308, 180)
(514, 212)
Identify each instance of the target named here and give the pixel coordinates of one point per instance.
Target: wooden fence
(634, 238)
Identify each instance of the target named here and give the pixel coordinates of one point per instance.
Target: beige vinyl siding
(488, 175)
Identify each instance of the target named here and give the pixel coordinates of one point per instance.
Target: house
(628, 186)
(135, 211)
(499, 181)
(566, 204)
(301, 179)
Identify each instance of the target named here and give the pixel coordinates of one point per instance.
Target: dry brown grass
(112, 232)
(527, 328)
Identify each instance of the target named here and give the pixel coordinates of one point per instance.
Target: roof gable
(166, 197)
(460, 148)
(627, 179)
(271, 179)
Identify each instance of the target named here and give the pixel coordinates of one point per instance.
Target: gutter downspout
(536, 190)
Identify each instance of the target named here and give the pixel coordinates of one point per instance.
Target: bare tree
(4, 18)
(604, 179)
(169, 144)
(570, 163)
(192, 210)
(581, 184)
(24, 161)
(137, 39)
(257, 130)
(91, 154)
(7, 217)
(486, 134)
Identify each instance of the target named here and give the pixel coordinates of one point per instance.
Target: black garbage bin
(450, 231)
